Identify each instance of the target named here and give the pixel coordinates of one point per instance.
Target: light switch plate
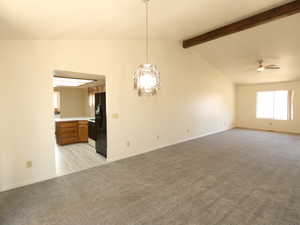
(115, 116)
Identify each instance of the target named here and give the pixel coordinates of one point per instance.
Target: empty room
(147, 112)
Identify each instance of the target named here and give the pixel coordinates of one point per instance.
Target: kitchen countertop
(72, 119)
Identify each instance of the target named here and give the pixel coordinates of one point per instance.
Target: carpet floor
(236, 177)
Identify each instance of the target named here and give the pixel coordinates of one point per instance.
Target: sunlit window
(91, 100)
(275, 105)
(56, 100)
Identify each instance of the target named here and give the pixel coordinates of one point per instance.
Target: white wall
(73, 102)
(27, 130)
(246, 108)
(193, 96)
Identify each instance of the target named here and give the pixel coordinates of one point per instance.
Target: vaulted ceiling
(234, 55)
(237, 55)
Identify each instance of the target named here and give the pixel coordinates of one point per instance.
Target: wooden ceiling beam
(253, 21)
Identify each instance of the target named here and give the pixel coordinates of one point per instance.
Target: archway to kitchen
(79, 109)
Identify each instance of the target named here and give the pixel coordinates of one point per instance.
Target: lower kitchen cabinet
(70, 132)
(83, 131)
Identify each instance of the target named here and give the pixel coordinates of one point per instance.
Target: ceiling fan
(262, 68)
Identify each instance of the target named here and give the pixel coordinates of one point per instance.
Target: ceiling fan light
(261, 69)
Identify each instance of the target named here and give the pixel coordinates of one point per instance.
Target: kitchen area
(79, 102)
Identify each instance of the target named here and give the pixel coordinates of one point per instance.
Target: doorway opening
(79, 108)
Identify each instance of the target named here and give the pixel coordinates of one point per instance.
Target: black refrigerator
(101, 127)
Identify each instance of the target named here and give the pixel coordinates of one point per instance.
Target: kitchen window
(274, 105)
(56, 102)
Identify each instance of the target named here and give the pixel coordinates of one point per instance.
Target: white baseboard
(269, 130)
(171, 144)
(40, 179)
(195, 137)
(25, 183)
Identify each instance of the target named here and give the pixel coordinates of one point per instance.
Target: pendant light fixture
(146, 77)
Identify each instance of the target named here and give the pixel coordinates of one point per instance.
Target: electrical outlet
(128, 143)
(157, 137)
(28, 164)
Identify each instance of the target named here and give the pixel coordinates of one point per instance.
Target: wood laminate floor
(76, 157)
(238, 177)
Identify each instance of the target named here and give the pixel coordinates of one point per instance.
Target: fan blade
(272, 67)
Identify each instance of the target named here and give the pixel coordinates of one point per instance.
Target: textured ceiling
(235, 55)
(119, 19)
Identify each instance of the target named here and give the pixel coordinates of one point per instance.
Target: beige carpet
(236, 177)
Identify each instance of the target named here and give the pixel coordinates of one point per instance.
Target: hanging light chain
(147, 30)
(147, 77)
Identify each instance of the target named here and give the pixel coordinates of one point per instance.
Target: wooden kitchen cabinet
(83, 131)
(71, 132)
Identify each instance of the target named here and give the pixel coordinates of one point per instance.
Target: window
(92, 100)
(275, 105)
(56, 102)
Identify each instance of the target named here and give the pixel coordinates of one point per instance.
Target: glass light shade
(146, 80)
